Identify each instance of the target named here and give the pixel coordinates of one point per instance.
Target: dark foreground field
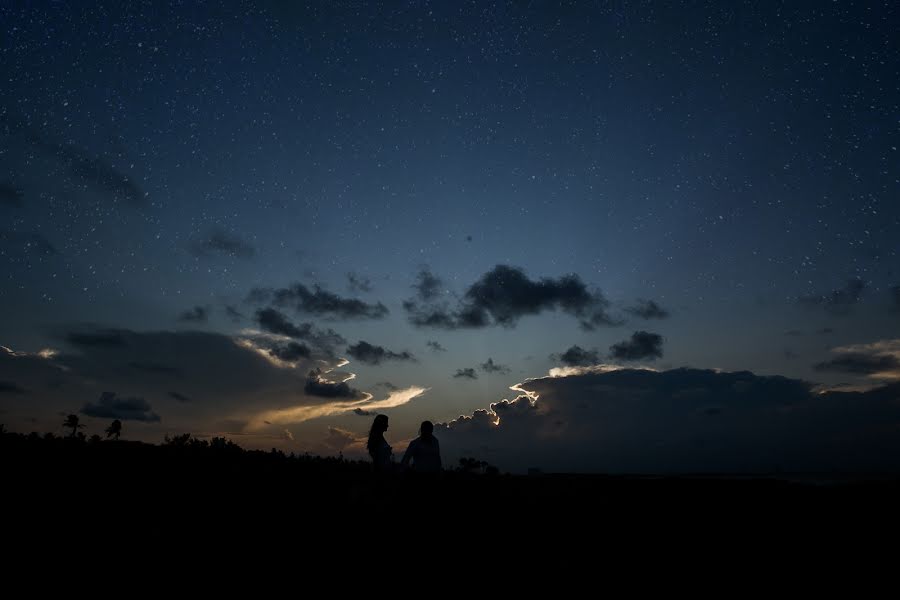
(187, 487)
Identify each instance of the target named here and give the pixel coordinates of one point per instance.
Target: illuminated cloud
(877, 360)
(621, 420)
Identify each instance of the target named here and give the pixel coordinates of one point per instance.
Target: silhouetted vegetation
(187, 480)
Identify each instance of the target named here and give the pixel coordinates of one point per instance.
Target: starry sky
(577, 235)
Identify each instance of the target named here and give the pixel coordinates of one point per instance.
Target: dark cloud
(358, 284)
(317, 301)
(502, 296)
(234, 314)
(467, 373)
(859, 363)
(110, 406)
(825, 330)
(276, 322)
(20, 245)
(681, 421)
(235, 377)
(366, 353)
(362, 413)
(793, 333)
(435, 317)
(506, 294)
(179, 397)
(198, 314)
(97, 172)
(428, 286)
(435, 346)
(292, 351)
(10, 195)
(576, 356)
(156, 368)
(221, 242)
(648, 309)
(387, 385)
(642, 345)
(491, 367)
(100, 337)
(837, 302)
(8, 387)
(317, 385)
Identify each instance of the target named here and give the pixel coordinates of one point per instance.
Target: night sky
(672, 227)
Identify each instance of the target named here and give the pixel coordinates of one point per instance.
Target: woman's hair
(376, 434)
(426, 430)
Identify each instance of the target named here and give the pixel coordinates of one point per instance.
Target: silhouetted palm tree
(115, 429)
(72, 421)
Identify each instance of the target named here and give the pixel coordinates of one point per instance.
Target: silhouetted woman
(424, 451)
(379, 449)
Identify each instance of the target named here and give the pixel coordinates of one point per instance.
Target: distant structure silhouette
(379, 449)
(115, 429)
(424, 452)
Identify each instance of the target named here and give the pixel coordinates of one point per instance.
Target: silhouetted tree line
(189, 480)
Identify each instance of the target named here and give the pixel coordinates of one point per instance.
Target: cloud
(577, 356)
(97, 172)
(179, 397)
(363, 406)
(318, 385)
(358, 284)
(387, 385)
(99, 337)
(648, 309)
(234, 314)
(317, 301)
(681, 421)
(291, 352)
(276, 322)
(468, 373)
(221, 242)
(878, 360)
(8, 387)
(428, 286)
(396, 398)
(837, 302)
(338, 439)
(435, 346)
(226, 378)
(366, 353)
(491, 367)
(642, 345)
(20, 245)
(198, 314)
(10, 195)
(156, 368)
(502, 296)
(825, 330)
(109, 406)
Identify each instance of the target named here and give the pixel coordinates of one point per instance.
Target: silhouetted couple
(424, 452)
